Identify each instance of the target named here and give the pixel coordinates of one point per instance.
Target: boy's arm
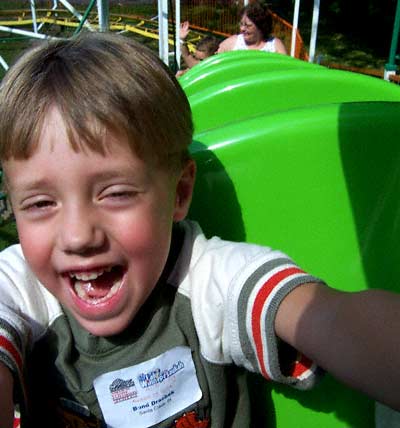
(6, 397)
(354, 336)
(187, 57)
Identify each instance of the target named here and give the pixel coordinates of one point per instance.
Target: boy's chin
(104, 328)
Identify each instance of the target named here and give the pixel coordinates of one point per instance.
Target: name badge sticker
(148, 393)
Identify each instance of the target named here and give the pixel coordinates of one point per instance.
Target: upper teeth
(88, 276)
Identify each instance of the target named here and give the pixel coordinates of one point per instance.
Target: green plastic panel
(265, 92)
(238, 58)
(325, 190)
(206, 76)
(298, 187)
(321, 182)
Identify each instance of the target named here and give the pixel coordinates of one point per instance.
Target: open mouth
(97, 286)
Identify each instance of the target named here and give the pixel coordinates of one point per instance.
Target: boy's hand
(6, 397)
(184, 30)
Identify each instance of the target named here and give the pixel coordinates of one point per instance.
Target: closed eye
(118, 193)
(121, 195)
(37, 205)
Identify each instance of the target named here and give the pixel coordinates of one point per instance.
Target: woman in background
(255, 32)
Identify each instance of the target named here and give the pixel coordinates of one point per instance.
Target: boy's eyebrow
(29, 185)
(124, 172)
(97, 176)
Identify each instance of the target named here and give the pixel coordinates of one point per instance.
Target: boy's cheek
(34, 242)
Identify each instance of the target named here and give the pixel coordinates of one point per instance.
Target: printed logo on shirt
(158, 376)
(122, 390)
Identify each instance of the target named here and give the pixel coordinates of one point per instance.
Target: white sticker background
(148, 393)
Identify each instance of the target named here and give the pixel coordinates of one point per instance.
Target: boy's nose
(80, 232)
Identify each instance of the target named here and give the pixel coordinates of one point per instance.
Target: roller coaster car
(314, 173)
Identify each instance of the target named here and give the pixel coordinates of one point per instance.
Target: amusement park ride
(97, 16)
(326, 144)
(64, 13)
(36, 22)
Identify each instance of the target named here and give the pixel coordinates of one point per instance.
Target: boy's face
(200, 55)
(95, 229)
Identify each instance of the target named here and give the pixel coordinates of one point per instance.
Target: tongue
(100, 287)
(94, 291)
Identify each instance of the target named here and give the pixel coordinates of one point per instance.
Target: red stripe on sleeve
(9, 347)
(301, 366)
(259, 302)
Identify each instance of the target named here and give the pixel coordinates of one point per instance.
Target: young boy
(205, 48)
(114, 309)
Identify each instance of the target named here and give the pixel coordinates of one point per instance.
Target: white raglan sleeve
(235, 291)
(25, 309)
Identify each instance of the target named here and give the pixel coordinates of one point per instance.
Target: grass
(10, 46)
(339, 49)
(8, 234)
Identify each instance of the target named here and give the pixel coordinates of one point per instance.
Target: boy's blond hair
(100, 83)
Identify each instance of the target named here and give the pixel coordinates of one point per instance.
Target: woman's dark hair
(261, 15)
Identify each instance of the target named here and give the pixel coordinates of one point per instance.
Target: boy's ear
(184, 190)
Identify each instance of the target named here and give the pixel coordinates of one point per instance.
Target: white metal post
(314, 31)
(177, 31)
(295, 26)
(163, 30)
(33, 11)
(103, 10)
(3, 63)
(25, 33)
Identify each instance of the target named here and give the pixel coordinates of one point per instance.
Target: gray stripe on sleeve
(243, 300)
(272, 339)
(15, 338)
